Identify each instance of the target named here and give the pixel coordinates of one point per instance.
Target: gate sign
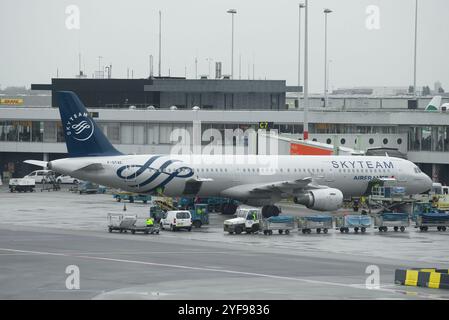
(11, 102)
(266, 125)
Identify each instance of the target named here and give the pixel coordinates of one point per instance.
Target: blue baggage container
(319, 218)
(281, 219)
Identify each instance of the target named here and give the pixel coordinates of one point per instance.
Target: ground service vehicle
(176, 220)
(200, 215)
(247, 220)
(22, 184)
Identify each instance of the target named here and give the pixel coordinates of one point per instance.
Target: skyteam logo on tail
(80, 127)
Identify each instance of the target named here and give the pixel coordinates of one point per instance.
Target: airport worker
(254, 216)
(150, 222)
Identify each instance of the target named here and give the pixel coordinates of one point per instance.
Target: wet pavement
(42, 233)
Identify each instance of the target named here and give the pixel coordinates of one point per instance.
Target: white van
(39, 175)
(176, 220)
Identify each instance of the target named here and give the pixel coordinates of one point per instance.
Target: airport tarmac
(42, 233)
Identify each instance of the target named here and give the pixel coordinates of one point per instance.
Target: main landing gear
(270, 211)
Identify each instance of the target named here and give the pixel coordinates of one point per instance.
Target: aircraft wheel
(270, 211)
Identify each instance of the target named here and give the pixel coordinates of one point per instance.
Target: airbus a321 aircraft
(318, 182)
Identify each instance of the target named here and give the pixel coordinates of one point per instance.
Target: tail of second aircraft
(82, 135)
(435, 104)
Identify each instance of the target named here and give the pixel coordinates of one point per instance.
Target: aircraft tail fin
(83, 136)
(435, 104)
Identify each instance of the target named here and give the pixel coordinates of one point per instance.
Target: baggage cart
(355, 222)
(141, 226)
(120, 222)
(439, 220)
(397, 221)
(22, 185)
(320, 223)
(133, 223)
(281, 224)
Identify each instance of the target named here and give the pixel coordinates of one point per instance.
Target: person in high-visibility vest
(254, 216)
(150, 222)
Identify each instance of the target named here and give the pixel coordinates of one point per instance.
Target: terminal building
(139, 116)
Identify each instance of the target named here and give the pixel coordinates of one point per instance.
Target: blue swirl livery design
(153, 176)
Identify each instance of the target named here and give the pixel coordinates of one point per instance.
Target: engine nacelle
(321, 199)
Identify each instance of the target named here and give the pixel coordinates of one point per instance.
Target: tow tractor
(200, 215)
(247, 220)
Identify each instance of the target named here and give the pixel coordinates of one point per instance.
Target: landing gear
(270, 211)
(229, 209)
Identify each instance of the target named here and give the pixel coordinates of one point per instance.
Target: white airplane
(318, 182)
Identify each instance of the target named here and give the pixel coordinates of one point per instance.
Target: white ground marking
(318, 282)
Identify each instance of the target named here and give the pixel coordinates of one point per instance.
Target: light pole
(326, 12)
(208, 61)
(306, 72)
(416, 50)
(160, 43)
(232, 12)
(301, 6)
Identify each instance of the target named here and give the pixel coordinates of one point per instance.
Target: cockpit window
(417, 170)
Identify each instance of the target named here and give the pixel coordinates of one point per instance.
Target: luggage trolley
(439, 220)
(120, 222)
(141, 226)
(316, 222)
(397, 221)
(283, 224)
(133, 223)
(356, 222)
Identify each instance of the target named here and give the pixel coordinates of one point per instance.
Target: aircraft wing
(286, 186)
(292, 187)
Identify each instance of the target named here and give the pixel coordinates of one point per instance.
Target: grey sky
(35, 40)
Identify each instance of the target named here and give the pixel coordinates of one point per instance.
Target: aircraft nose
(427, 183)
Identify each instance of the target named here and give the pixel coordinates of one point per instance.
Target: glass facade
(330, 128)
(425, 138)
(420, 138)
(21, 131)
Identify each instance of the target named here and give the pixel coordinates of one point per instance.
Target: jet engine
(321, 199)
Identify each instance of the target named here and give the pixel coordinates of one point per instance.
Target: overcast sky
(35, 41)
